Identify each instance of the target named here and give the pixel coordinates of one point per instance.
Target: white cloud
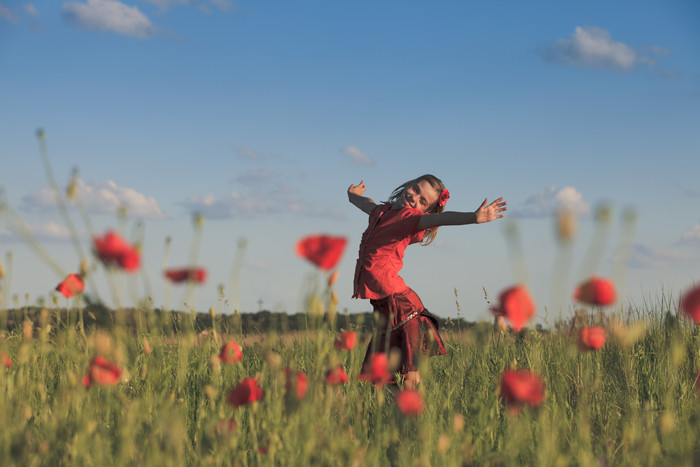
(223, 5)
(281, 199)
(47, 231)
(592, 47)
(7, 14)
(234, 205)
(657, 258)
(548, 203)
(256, 176)
(691, 237)
(356, 156)
(246, 152)
(30, 9)
(99, 198)
(108, 15)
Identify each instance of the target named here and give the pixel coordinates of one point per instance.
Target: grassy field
(633, 402)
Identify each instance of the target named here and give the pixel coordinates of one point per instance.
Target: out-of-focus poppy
(198, 275)
(72, 285)
(690, 304)
(347, 340)
(522, 387)
(596, 291)
(322, 250)
(516, 306)
(295, 380)
(111, 248)
(410, 402)
(230, 352)
(6, 360)
(336, 376)
(591, 338)
(376, 370)
(102, 371)
(246, 392)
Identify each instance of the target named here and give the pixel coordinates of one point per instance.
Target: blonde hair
(436, 183)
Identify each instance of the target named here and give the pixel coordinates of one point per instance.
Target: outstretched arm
(485, 213)
(355, 193)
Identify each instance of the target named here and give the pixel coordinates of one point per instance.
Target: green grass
(623, 405)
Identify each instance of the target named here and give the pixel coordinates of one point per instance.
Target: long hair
(436, 183)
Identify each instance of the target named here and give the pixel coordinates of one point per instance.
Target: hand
(489, 212)
(358, 189)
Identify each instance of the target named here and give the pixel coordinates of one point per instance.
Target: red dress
(405, 324)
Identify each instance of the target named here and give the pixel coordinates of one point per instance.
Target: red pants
(407, 326)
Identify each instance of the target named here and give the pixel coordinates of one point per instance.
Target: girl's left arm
(485, 213)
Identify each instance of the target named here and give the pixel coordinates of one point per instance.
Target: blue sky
(260, 115)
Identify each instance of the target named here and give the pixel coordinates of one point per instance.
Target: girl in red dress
(414, 212)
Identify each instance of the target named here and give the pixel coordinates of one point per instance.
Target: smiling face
(420, 195)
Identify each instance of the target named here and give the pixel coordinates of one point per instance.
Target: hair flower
(444, 196)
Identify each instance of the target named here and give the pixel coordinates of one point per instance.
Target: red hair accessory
(444, 196)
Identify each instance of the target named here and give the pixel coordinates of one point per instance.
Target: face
(420, 195)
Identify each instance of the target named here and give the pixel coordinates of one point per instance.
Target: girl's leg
(412, 380)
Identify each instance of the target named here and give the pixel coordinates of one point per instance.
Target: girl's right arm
(355, 193)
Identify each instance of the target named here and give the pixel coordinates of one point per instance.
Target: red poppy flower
(596, 291)
(230, 352)
(322, 250)
(102, 371)
(184, 274)
(591, 338)
(522, 387)
(690, 304)
(410, 402)
(246, 392)
(71, 285)
(516, 306)
(376, 370)
(6, 360)
(336, 376)
(346, 341)
(297, 379)
(112, 249)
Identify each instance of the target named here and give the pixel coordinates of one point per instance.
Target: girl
(413, 213)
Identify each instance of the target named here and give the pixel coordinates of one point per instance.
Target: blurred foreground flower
(410, 402)
(336, 376)
(230, 352)
(522, 387)
(112, 249)
(71, 285)
(516, 305)
(591, 338)
(295, 381)
(102, 371)
(6, 360)
(690, 304)
(596, 291)
(627, 336)
(376, 370)
(346, 341)
(246, 392)
(198, 275)
(322, 250)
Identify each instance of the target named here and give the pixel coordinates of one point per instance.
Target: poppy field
(115, 396)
